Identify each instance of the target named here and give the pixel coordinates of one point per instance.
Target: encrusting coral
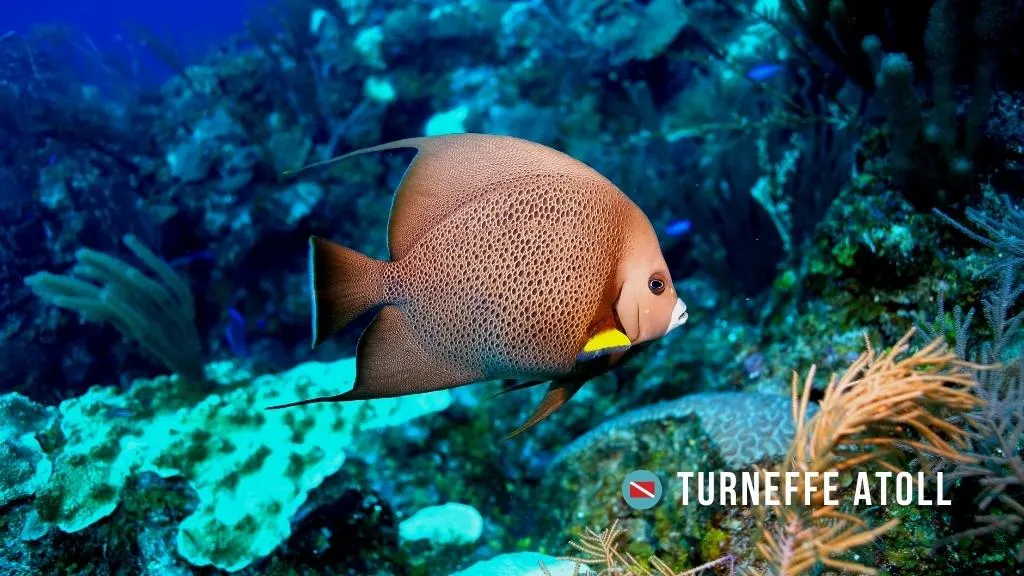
(880, 408)
(23, 466)
(698, 432)
(250, 469)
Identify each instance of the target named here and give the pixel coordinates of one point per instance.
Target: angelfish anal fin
(559, 392)
(605, 342)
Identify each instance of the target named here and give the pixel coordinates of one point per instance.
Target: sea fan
(158, 312)
(601, 550)
(879, 409)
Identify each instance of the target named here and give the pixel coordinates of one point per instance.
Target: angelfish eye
(656, 285)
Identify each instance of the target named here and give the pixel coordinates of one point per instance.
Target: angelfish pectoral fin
(559, 392)
(604, 343)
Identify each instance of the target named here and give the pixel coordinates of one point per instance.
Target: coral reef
(451, 523)
(698, 432)
(818, 172)
(744, 427)
(524, 564)
(251, 470)
(870, 415)
(24, 467)
(158, 313)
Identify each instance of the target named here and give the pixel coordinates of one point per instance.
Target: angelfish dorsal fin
(451, 171)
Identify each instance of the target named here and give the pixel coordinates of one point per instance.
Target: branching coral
(1003, 233)
(892, 46)
(878, 409)
(802, 145)
(602, 549)
(157, 312)
(996, 431)
(996, 428)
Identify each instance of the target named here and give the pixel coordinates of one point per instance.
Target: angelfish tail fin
(344, 285)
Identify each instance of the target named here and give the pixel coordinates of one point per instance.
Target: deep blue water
(191, 27)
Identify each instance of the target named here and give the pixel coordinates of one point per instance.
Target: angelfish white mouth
(679, 315)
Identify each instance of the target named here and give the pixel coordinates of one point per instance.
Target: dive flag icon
(642, 489)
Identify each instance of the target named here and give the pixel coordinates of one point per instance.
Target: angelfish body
(509, 260)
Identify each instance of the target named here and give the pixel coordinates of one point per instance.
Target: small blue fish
(762, 72)
(234, 333)
(678, 227)
(191, 257)
(118, 412)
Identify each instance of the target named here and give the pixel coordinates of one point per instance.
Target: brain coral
(698, 432)
(744, 427)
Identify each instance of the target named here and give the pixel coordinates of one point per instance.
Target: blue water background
(190, 27)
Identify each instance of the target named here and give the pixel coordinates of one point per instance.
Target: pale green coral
(451, 523)
(447, 122)
(379, 89)
(368, 45)
(251, 469)
(525, 564)
(24, 468)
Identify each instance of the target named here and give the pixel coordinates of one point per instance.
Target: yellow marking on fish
(603, 343)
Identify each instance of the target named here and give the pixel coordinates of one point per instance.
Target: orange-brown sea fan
(880, 407)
